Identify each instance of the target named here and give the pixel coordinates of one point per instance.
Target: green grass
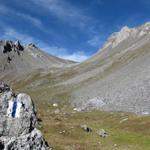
(122, 134)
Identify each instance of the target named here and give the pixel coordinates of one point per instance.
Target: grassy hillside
(126, 131)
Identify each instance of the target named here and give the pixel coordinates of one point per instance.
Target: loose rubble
(102, 133)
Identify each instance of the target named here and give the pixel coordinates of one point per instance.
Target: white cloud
(36, 22)
(10, 33)
(54, 49)
(78, 56)
(64, 53)
(94, 41)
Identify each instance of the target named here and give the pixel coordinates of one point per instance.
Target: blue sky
(71, 29)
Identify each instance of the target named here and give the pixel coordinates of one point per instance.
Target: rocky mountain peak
(116, 38)
(32, 45)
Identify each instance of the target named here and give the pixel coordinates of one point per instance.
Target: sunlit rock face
(127, 33)
(18, 122)
(17, 112)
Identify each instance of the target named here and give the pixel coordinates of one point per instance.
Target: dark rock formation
(32, 45)
(11, 46)
(19, 46)
(7, 48)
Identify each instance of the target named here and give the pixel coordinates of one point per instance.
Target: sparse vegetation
(63, 130)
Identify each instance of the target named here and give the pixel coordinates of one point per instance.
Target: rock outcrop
(18, 122)
(132, 33)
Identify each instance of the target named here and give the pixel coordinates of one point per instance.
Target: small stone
(123, 120)
(86, 128)
(77, 109)
(32, 45)
(57, 111)
(102, 133)
(145, 113)
(55, 105)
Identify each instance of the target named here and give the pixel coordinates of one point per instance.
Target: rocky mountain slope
(117, 78)
(19, 59)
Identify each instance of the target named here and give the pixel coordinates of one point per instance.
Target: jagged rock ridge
(20, 59)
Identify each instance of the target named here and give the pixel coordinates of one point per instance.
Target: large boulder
(18, 122)
(31, 141)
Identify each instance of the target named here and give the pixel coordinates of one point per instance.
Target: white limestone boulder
(18, 122)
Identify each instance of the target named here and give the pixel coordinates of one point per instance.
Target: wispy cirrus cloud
(4, 10)
(12, 34)
(36, 22)
(78, 56)
(64, 11)
(95, 41)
